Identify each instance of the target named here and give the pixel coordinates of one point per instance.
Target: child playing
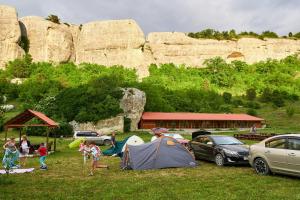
(96, 152)
(85, 150)
(42, 150)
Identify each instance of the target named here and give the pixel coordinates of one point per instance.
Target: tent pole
(54, 148)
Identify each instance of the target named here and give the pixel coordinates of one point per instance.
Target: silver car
(92, 136)
(278, 154)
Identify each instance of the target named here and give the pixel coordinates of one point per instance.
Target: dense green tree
(269, 34)
(251, 94)
(20, 68)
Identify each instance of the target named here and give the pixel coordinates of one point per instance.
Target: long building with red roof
(198, 120)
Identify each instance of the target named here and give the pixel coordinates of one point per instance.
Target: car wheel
(261, 166)
(219, 160)
(107, 142)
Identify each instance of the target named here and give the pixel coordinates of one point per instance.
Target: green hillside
(89, 92)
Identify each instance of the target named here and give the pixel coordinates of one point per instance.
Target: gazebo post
(20, 132)
(54, 148)
(47, 139)
(6, 129)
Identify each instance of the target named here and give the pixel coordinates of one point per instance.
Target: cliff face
(122, 42)
(9, 35)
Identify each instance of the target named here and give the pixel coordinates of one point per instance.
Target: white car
(278, 154)
(93, 136)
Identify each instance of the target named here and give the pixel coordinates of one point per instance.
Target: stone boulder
(48, 41)
(10, 35)
(133, 103)
(114, 42)
(105, 126)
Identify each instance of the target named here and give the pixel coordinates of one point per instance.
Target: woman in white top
(24, 150)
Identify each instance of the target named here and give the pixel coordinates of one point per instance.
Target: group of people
(91, 150)
(15, 156)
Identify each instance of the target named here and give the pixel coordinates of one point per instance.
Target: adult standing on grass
(113, 138)
(11, 154)
(24, 147)
(253, 129)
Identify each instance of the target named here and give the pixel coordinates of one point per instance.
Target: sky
(280, 16)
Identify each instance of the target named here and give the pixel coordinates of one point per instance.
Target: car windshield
(226, 140)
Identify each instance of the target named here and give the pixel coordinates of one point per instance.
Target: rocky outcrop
(178, 48)
(9, 35)
(48, 41)
(105, 126)
(122, 42)
(115, 42)
(133, 103)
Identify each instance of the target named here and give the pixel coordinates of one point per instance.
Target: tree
(251, 94)
(227, 97)
(290, 34)
(269, 34)
(20, 68)
(252, 112)
(53, 18)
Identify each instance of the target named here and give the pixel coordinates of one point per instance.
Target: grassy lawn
(67, 179)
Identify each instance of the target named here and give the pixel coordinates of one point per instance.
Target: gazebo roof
(21, 119)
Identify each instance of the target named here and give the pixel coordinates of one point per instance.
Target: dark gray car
(220, 148)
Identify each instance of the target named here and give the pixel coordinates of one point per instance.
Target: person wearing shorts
(95, 152)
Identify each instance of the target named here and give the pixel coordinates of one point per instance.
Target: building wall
(194, 124)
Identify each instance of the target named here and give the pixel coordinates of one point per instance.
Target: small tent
(165, 152)
(119, 147)
(133, 141)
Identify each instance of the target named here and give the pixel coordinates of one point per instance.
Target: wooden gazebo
(21, 120)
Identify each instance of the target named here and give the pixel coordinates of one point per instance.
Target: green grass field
(67, 178)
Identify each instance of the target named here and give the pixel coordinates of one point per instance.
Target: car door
(208, 148)
(202, 146)
(196, 146)
(293, 155)
(275, 153)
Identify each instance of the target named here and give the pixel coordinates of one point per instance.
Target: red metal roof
(27, 115)
(198, 116)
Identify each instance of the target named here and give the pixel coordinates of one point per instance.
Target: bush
(36, 131)
(266, 95)
(251, 94)
(277, 99)
(227, 97)
(20, 68)
(237, 102)
(253, 104)
(53, 18)
(252, 112)
(269, 34)
(290, 111)
(226, 108)
(64, 129)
